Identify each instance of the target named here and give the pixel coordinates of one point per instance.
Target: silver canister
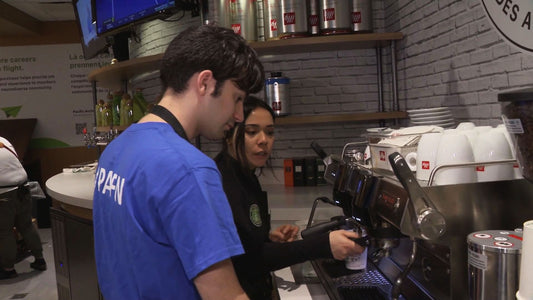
(260, 7)
(272, 19)
(494, 264)
(243, 18)
(294, 22)
(277, 93)
(215, 12)
(362, 16)
(313, 17)
(335, 17)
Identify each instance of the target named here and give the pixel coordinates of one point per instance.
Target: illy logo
(356, 17)
(382, 155)
(236, 28)
(313, 20)
(289, 18)
(276, 106)
(480, 168)
(273, 25)
(329, 14)
(425, 165)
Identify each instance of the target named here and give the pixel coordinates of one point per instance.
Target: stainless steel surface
(272, 18)
(294, 17)
(494, 264)
(335, 16)
(362, 15)
(243, 18)
(466, 208)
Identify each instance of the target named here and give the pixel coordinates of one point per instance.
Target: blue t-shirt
(160, 215)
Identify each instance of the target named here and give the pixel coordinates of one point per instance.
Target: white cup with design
(493, 146)
(454, 148)
(426, 154)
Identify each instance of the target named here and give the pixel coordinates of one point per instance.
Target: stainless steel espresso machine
(418, 248)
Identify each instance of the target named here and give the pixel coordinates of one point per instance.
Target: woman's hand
(341, 244)
(284, 233)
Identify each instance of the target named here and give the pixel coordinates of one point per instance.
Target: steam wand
(421, 218)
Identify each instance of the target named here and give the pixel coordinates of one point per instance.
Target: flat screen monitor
(115, 15)
(91, 43)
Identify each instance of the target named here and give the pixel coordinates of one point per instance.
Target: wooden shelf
(340, 118)
(324, 43)
(112, 76)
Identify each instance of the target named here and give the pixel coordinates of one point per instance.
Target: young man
(15, 211)
(163, 228)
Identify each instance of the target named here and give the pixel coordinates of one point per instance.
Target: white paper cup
(357, 262)
(525, 286)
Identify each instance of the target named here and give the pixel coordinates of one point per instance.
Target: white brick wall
(450, 56)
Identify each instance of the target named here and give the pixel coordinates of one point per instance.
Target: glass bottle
(139, 105)
(107, 115)
(117, 97)
(123, 113)
(98, 110)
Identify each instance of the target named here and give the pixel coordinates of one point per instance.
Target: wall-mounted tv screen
(115, 15)
(91, 43)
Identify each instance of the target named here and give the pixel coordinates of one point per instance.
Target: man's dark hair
(209, 47)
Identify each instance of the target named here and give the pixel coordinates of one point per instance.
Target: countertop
(288, 204)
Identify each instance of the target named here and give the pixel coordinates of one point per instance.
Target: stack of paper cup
(525, 287)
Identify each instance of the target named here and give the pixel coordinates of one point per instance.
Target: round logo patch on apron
(255, 216)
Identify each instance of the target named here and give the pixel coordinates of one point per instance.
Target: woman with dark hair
(246, 149)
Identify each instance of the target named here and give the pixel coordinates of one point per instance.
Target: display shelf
(109, 128)
(339, 118)
(113, 76)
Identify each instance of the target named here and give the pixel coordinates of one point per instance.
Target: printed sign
(513, 20)
(49, 82)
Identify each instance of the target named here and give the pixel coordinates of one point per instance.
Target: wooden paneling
(57, 32)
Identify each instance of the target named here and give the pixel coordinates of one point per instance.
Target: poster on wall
(49, 83)
(513, 20)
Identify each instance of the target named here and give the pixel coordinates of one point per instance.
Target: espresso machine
(418, 247)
